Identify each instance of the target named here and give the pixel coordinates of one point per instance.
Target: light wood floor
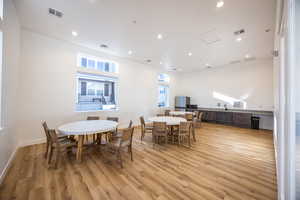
(224, 163)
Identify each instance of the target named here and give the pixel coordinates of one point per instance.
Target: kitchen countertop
(237, 110)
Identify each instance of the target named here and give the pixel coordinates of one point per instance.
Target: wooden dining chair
(120, 132)
(94, 135)
(48, 138)
(58, 147)
(183, 134)
(189, 117)
(115, 119)
(112, 133)
(160, 130)
(93, 118)
(120, 143)
(145, 127)
(130, 124)
(167, 112)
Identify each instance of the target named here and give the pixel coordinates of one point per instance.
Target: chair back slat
(46, 130)
(167, 112)
(115, 119)
(142, 120)
(127, 135)
(53, 136)
(159, 127)
(184, 127)
(130, 124)
(93, 118)
(189, 117)
(200, 116)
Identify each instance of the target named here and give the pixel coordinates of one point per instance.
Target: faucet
(225, 106)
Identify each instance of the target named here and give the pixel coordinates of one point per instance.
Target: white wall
(48, 85)
(11, 50)
(252, 80)
(297, 54)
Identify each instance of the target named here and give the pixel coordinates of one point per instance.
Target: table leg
(79, 148)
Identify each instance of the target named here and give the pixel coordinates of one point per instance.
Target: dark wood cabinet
(224, 117)
(208, 116)
(242, 120)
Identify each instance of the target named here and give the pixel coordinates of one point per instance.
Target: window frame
(164, 83)
(113, 66)
(96, 74)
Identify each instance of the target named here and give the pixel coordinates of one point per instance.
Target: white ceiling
(186, 26)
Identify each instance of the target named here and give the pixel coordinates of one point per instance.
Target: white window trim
(97, 73)
(96, 59)
(166, 84)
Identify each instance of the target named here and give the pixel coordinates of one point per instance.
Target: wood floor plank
(225, 163)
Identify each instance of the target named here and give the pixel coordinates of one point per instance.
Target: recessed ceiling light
(129, 52)
(74, 33)
(220, 4)
(238, 39)
(160, 63)
(247, 56)
(159, 36)
(190, 54)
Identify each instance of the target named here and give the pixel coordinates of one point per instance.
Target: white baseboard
(32, 142)
(8, 165)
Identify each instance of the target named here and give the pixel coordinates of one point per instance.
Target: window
(163, 90)
(96, 92)
(165, 78)
(92, 62)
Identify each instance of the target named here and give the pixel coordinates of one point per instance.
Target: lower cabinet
(224, 118)
(242, 120)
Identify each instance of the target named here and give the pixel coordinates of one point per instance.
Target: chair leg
(194, 134)
(120, 157)
(47, 149)
(130, 150)
(57, 158)
(50, 155)
(142, 136)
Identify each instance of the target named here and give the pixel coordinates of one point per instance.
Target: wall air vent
(239, 32)
(54, 12)
(104, 46)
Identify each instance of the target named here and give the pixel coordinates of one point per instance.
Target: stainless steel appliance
(182, 102)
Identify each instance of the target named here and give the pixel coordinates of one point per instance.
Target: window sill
(90, 111)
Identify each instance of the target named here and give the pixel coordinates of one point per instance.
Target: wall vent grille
(55, 12)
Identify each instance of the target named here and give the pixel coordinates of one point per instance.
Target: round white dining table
(180, 113)
(87, 127)
(171, 121)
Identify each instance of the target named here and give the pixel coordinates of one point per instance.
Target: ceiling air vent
(239, 32)
(54, 12)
